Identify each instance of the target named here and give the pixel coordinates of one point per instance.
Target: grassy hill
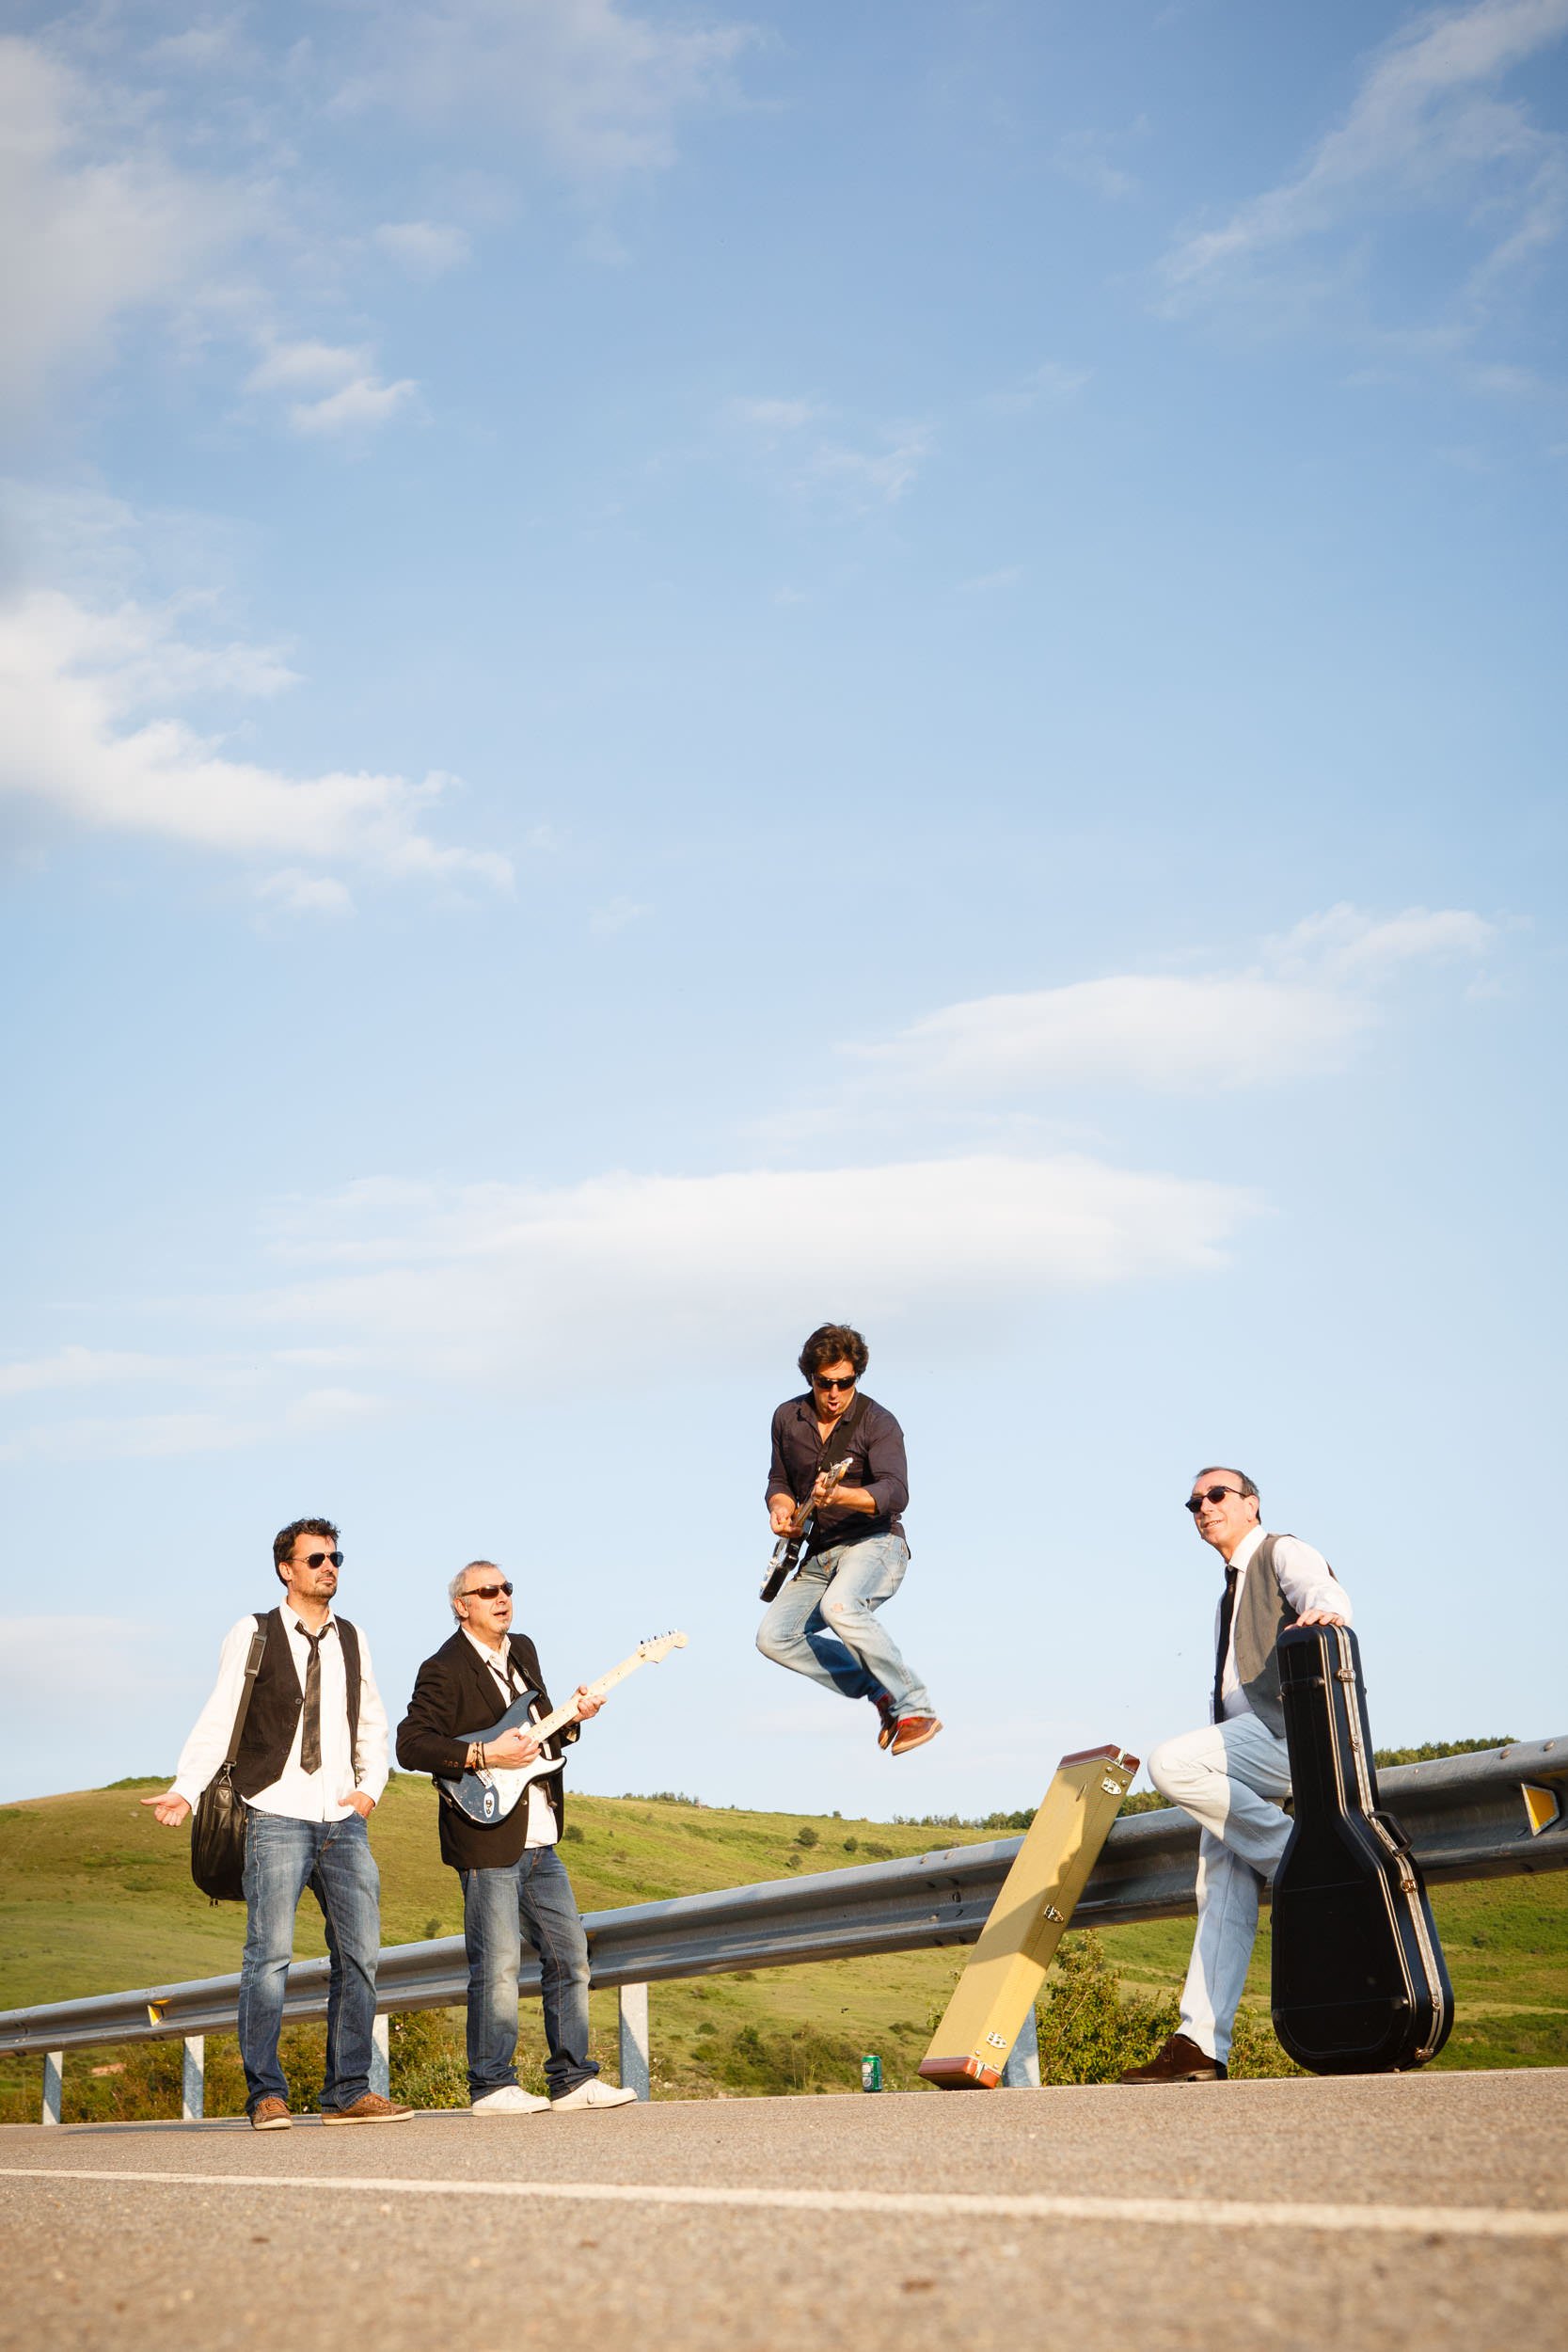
(94, 1897)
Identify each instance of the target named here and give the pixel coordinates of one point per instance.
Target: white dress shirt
(542, 1829)
(318, 1796)
(1307, 1581)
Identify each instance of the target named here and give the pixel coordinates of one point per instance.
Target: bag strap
(252, 1668)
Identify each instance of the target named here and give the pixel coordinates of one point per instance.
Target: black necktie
(1227, 1611)
(311, 1736)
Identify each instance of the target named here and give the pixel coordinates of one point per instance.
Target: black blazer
(455, 1696)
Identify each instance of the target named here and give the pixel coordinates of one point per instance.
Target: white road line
(1182, 2213)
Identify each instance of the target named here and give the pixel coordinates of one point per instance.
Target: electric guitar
(488, 1796)
(787, 1550)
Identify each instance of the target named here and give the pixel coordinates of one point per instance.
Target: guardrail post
(634, 2039)
(381, 2056)
(1022, 2069)
(54, 2082)
(192, 2070)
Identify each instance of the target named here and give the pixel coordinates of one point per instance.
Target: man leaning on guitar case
(513, 1881)
(1230, 1778)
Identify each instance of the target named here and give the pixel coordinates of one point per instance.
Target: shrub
(428, 2067)
(1089, 2030)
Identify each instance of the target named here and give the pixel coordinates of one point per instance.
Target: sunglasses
(486, 1592)
(817, 1381)
(1209, 1494)
(319, 1559)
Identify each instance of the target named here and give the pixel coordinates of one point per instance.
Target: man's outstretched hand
(168, 1808)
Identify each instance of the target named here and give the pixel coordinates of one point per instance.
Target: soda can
(871, 2072)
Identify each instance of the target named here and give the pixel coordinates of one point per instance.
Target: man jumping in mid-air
(823, 1623)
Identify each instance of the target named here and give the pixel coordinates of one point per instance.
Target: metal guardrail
(1499, 1814)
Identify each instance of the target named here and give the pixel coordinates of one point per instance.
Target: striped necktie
(311, 1734)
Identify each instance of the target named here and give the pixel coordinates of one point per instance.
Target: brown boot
(913, 1731)
(369, 2108)
(1180, 2062)
(270, 2115)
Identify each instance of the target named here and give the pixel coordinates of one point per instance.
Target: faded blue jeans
(823, 1624)
(283, 1857)
(532, 1896)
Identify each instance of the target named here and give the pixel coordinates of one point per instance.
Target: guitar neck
(568, 1714)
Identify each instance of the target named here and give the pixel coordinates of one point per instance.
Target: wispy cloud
(1085, 157)
(86, 728)
(425, 249)
(87, 1368)
(599, 90)
(1048, 386)
(141, 1437)
(1426, 131)
(96, 222)
(1300, 1010)
(804, 444)
(987, 583)
(492, 1280)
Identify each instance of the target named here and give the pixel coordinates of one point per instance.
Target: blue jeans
(823, 1624)
(333, 1859)
(532, 1896)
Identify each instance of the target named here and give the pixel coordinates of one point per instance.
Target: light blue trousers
(824, 1624)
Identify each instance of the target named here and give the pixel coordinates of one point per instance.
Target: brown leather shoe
(887, 1721)
(913, 1731)
(371, 2108)
(1180, 2062)
(270, 2115)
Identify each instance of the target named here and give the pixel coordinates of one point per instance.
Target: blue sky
(666, 673)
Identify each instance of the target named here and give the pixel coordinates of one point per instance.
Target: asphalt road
(1414, 2210)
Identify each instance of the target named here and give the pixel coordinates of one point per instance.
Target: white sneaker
(511, 2099)
(594, 2093)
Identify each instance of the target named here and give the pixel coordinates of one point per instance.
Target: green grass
(95, 1896)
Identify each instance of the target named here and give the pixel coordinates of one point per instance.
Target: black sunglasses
(486, 1592)
(1210, 1494)
(818, 1382)
(317, 1559)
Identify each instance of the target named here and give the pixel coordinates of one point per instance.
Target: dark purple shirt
(876, 1462)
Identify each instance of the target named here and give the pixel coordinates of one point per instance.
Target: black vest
(276, 1702)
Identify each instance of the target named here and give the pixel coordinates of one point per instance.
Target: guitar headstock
(658, 1647)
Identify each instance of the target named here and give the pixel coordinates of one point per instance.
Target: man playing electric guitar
(514, 1883)
(838, 1462)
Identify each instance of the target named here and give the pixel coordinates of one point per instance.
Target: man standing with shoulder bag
(311, 1765)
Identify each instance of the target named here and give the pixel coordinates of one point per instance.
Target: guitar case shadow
(1359, 1981)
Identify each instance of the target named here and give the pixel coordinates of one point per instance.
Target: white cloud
(355, 407)
(426, 248)
(1051, 382)
(875, 470)
(617, 914)
(866, 477)
(71, 682)
(298, 893)
(495, 1279)
(333, 1409)
(1010, 576)
(95, 222)
(776, 416)
(308, 366)
(1424, 131)
(599, 89)
(148, 1437)
(84, 1368)
(1082, 157)
(1300, 1012)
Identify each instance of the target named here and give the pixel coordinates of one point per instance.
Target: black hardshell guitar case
(1359, 1984)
